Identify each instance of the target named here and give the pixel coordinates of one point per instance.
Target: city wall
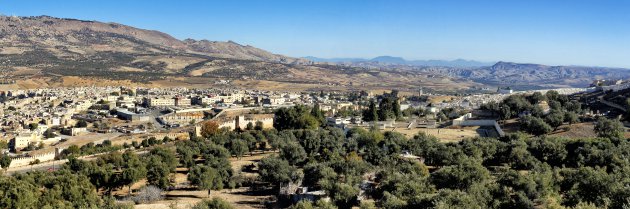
(24, 161)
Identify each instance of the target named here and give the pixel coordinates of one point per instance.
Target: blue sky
(555, 32)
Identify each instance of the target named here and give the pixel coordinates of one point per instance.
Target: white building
(160, 102)
(22, 140)
(77, 131)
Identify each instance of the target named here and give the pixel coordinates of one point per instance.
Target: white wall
(464, 121)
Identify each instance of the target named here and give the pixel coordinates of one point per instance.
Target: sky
(553, 32)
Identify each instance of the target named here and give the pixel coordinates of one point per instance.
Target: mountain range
(48, 51)
(401, 61)
(531, 75)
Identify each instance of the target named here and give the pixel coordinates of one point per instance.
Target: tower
(197, 131)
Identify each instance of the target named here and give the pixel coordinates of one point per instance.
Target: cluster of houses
(38, 117)
(44, 117)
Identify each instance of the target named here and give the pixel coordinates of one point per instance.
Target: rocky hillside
(89, 48)
(43, 50)
(69, 36)
(238, 51)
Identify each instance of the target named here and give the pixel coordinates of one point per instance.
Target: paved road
(153, 115)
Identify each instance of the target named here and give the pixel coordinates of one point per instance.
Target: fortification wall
(179, 136)
(231, 125)
(266, 122)
(25, 161)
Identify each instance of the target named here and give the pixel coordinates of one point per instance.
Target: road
(153, 115)
(610, 104)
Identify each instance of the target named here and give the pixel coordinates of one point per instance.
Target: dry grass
(443, 134)
(80, 140)
(173, 63)
(201, 71)
(185, 198)
(12, 50)
(239, 198)
(579, 130)
(129, 69)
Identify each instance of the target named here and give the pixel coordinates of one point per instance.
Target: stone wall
(242, 121)
(231, 125)
(25, 161)
(266, 122)
(178, 136)
(465, 121)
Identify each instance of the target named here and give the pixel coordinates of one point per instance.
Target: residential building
(159, 102)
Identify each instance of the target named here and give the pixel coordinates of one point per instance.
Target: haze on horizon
(590, 33)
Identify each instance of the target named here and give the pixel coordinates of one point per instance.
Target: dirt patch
(239, 198)
(579, 130)
(445, 134)
(12, 50)
(186, 198)
(129, 69)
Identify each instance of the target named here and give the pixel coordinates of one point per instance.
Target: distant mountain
(390, 60)
(532, 75)
(518, 75)
(335, 60)
(452, 63)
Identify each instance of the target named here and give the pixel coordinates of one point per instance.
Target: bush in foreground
(214, 203)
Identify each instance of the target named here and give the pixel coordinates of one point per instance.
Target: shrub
(215, 203)
(148, 194)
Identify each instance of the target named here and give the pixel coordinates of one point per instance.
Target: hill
(47, 51)
(68, 37)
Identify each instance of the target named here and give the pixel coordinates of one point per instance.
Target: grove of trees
(533, 118)
(388, 108)
(514, 171)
